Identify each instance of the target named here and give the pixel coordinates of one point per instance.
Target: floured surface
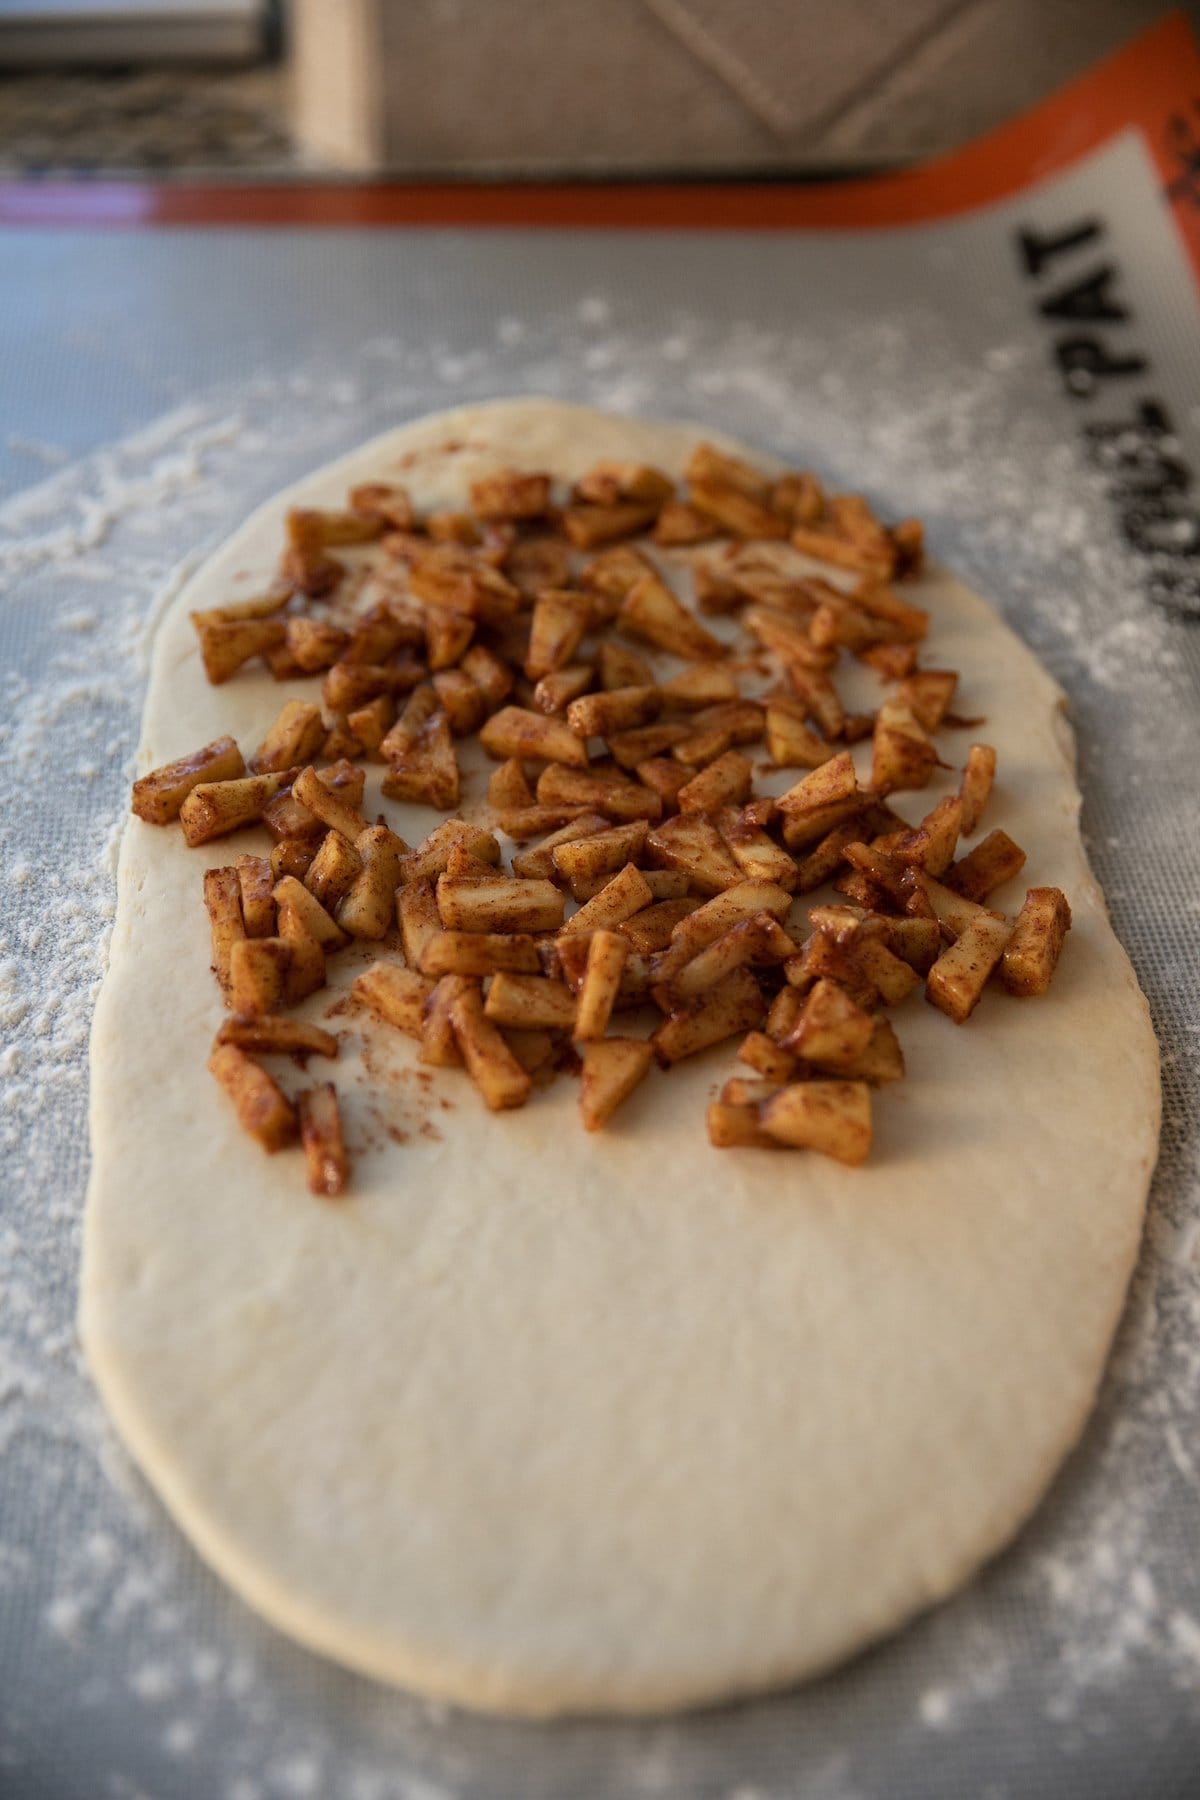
(540, 1421)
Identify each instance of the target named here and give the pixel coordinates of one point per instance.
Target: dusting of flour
(175, 1688)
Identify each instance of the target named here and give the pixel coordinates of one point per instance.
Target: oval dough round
(540, 1421)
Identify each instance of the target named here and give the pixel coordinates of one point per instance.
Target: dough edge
(483, 1686)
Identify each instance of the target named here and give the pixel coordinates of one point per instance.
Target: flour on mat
(97, 549)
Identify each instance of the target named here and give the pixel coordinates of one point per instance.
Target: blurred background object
(143, 87)
(698, 87)
(541, 89)
(102, 31)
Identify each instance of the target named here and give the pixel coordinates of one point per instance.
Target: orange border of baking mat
(1151, 85)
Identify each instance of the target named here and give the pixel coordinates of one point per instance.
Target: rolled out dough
(543, 1422)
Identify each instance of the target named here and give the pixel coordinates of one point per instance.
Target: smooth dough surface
(544, 1422)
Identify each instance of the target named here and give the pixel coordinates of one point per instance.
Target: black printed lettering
(1139, 453)
(1157, 529)
(1085, 362)
(1037, 249)
(1087, 302)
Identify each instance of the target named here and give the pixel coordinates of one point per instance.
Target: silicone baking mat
(1004, 344)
